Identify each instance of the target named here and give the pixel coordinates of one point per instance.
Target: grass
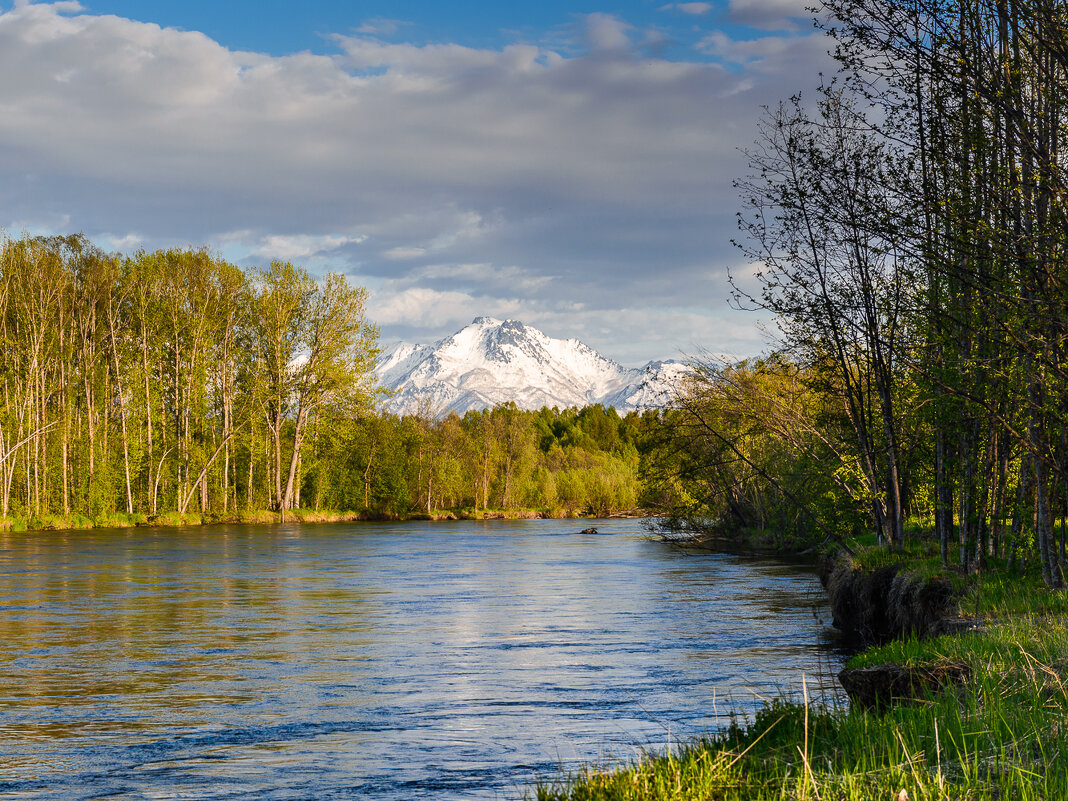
(256, 516)
(176, 519)
(997, 592)
(119, 520)
(1002, 734)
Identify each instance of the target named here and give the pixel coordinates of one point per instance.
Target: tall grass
(1003, 734)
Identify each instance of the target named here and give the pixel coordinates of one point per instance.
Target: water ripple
(438, 661)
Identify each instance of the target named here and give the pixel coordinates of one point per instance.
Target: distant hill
(493, 361)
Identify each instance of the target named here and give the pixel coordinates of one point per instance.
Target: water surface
(385, 661)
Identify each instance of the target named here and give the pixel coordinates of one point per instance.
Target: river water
(383, 661)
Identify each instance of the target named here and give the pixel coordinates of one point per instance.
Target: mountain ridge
(494, 361)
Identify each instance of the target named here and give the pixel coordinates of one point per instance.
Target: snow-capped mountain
(490, 362)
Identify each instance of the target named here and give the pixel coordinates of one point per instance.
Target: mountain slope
(492, 361)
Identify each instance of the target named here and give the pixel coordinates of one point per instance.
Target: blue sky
(565, 164)
(280, 28)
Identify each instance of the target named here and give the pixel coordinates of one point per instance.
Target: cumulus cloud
(769, 15)
(301, 247)
(767, 55)
(598, 176)
(694, 9)
(121, 243)
(607, 32)
(381, 27)
(422, 309)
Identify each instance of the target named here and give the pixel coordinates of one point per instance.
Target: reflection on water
(418, 660)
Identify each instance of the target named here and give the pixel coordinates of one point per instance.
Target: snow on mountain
(656, 384)
(492, 361)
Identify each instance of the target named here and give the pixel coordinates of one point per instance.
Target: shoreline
(959, 692)
(77, 522)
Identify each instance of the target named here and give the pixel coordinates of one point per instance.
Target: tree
(316, 350)
(822, 222)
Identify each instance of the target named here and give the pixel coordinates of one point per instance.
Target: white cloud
(512, 278)
(381, 27)
(403, 253)
(769, 15)
(301, 247)
(671, 332)
(598, 177)
(41, 223)
(607, 32)
(694, 9)
(421, 308)
(121, 243)
(768, 55)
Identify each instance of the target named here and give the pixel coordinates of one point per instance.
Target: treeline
(562, 463)
(174, 381)
(911, 232)
(167, 381)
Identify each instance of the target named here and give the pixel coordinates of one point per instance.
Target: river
(455, 660)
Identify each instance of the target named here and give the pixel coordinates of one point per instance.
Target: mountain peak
(494, 361)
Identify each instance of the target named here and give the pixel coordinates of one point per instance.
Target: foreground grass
(1004, 735)
(1001, 734)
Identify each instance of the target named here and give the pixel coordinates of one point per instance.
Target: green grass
(1001, 735)
(175, 519)
(995, 593)
(120, 520)
(302, 515)
(73, 521)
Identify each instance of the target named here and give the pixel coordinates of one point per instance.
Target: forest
(907, 224)
(174, 382)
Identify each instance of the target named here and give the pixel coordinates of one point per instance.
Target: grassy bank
(168, 519)
(995, 726)
(175, 519)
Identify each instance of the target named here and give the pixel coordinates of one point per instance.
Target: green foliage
(502, 458)
(907, 234)
(754, 446)
(166, 381)
(167, 385)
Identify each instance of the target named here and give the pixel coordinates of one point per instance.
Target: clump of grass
(254, 516)
(920, 553)
(176, 519)
(321, 515)
(120, 520)
(995, 592)
(998, 594)
(56, 522)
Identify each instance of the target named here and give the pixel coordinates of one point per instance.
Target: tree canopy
(909, 229)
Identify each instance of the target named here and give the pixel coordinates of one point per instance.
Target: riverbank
(264, 516)
(974, 712)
